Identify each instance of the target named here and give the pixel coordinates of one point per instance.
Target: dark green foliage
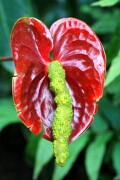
(96, 154)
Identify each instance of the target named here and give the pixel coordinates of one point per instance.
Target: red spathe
(76, 46)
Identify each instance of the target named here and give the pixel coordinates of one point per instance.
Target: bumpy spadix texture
(61, 126)
(78, 49)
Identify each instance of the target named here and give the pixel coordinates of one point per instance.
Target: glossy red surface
(81, 54)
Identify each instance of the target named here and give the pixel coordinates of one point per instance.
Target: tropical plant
(95, 154)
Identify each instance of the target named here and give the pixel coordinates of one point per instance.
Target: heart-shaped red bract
(76, 46)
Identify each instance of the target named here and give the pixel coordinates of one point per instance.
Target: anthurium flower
(70, 83)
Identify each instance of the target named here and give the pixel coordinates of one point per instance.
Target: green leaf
(111, 112)
(114, 89)
(105, 3)
(116, 157)
(114, 70)
(107, 22)
(94, 155)
(113, 46)
(10, 12)
(75, 148)
(99, 125)
(8, 113)
(43, 155)
(5, 82)
(31, 147)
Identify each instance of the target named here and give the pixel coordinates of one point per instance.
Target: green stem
(4, 20)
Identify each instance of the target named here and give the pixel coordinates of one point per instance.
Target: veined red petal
(31, 43)
(82, 56)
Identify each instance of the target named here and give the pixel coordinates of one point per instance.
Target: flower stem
(6, 58)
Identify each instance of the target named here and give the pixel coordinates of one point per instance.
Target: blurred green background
(96, 154)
